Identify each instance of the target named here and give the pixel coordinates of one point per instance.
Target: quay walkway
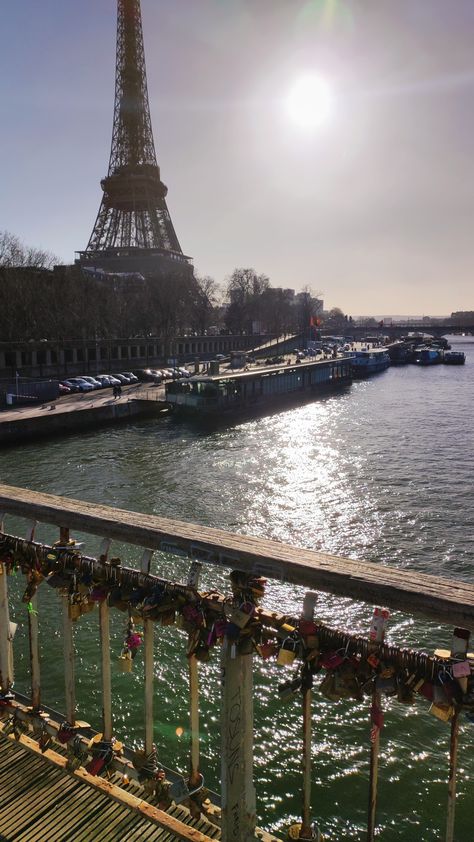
(71, 765)
(78, 412)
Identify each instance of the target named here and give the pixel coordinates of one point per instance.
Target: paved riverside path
(75, 412)
(84, 400)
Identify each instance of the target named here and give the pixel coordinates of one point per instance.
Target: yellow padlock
(443, 712)
(74, 611)
(287, 653)
(125, 662)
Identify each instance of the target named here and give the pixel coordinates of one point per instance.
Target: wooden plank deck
(40, 802)
(445, 600)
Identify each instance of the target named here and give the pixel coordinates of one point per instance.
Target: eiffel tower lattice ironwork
(133, 230)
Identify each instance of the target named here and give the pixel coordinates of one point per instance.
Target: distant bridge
(403, 328)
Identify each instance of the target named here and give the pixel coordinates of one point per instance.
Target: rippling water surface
(383, 472)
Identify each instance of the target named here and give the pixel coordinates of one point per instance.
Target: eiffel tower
(133, 231)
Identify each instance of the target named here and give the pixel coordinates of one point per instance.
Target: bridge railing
(352, 666)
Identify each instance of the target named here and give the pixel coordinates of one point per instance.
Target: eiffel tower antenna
(133, 231)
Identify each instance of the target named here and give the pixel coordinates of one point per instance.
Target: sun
(309, 103)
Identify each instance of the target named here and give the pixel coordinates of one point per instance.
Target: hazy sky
(374, 208)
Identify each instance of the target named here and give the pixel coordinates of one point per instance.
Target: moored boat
(368, 360)
(258, 387)
(427, 356)
(454, 357)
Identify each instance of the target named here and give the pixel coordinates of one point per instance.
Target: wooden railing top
(448, 601)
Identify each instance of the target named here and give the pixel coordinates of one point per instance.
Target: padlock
(287, 653)
(74, 611)
(179, 790)
(288, 689)
(125, 662)
(65, 733)
(461, 669)
(373, 661)
(443, 712)
(237, 616)
(332, 660)
(220, 627)
(267, 650)
(307, 627)
(232, 631)
(462, 672)
(386, 685)
(377, 716)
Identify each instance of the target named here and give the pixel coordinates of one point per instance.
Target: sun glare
(309, 102)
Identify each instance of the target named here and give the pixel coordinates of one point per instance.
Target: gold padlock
(287, 653)
(125, 662)
(443, 712)
(74, 611)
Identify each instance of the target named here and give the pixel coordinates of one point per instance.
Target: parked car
(150, 375)
(110, 379)
(64, 390)
(124, 381)
(93, 381)
(82, 385)
(104, 379)
(131, 376)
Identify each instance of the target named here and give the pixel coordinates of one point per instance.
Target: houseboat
(257, 387)
(427, 356)
(454, 357)
(368, 360)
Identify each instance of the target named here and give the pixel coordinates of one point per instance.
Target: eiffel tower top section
(133, 231)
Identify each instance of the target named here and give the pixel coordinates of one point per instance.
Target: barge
(368, 360)
(258, 387)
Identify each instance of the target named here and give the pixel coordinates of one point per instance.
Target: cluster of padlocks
(348, 666)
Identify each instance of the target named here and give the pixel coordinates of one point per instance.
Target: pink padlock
(461, 668)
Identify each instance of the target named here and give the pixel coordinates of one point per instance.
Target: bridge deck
(41, 803)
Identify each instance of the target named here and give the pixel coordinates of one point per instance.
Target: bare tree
(13, 253)
(245, 290)
(203, 311)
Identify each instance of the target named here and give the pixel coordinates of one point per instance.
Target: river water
(383, 472)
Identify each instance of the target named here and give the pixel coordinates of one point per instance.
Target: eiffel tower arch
(133, 231)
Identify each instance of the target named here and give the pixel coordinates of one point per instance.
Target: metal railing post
(377, 634)
(6, 660)
(459, 648)
(104, 630)
(148, 642)
(238, 792)
(33, 638)
(194, 776)
(68, 646)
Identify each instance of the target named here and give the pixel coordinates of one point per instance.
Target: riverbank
(75, 413)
